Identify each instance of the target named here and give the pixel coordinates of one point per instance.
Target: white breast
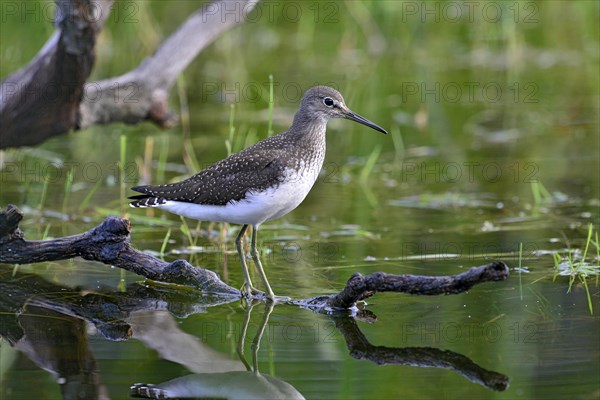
(257, 207)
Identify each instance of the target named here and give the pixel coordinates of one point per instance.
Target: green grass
(44, 194)
(46, 233)
(576, 265)
(271, 106)
(122, 285)
(188, 232)
(399, 148)
(67, 191)
(162, 159)
(165, 241)
(86, 201)
(122, 183)
(541, 195)
(189, 156)
(365, 173)
(520, 270)
(231, 131)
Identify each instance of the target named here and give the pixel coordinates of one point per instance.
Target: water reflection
(58, 343)
(361, 348)
(47, 323)
(233, 384)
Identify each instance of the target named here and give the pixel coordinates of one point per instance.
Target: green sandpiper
(260, 183)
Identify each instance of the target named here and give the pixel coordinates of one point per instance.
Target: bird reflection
(249, 384)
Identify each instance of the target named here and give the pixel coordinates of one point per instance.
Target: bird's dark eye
(328, 101)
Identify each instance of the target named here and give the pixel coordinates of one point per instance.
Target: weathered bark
(360, 287)
(42, 99)
(147, 87)
(109, 243)
(50, 95)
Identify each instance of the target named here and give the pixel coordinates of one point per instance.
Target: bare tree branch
(49, 96)
(42, 99)
(107, 243)
(149, 84)
(360, 287)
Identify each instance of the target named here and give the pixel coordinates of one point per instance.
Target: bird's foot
(280, 299)
(249, 293)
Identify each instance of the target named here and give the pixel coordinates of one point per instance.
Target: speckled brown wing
(227, 180)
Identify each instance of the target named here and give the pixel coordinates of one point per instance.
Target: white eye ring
(328, 101)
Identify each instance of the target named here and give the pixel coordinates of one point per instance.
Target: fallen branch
(148, 85)
(42, 99)
(50, 95)
(109, 243)
(360, 287)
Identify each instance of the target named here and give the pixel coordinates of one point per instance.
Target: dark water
(461, 181)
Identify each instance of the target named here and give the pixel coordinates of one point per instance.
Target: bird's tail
(145, 200)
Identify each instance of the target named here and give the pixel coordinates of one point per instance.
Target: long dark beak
(362, 120)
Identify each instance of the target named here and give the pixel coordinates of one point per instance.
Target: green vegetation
(576, 265)
(520, 270)
(192, 239)
(67, 191)
(122, 173)
(541, 195)
(230, 136)
(88, 198)
(165, 242)
(271, 105)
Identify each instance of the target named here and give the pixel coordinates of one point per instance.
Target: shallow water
(456, 184)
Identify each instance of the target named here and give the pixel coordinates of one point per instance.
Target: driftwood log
(50, 95)
(109, 243)
(360, 287)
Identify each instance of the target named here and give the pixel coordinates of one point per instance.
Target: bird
(263, 182)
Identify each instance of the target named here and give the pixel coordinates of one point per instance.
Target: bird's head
(325, 103)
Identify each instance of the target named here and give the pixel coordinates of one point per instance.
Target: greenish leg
(247, 288)
(261, 271)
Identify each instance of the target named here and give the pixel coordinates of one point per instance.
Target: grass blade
(271, 106)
